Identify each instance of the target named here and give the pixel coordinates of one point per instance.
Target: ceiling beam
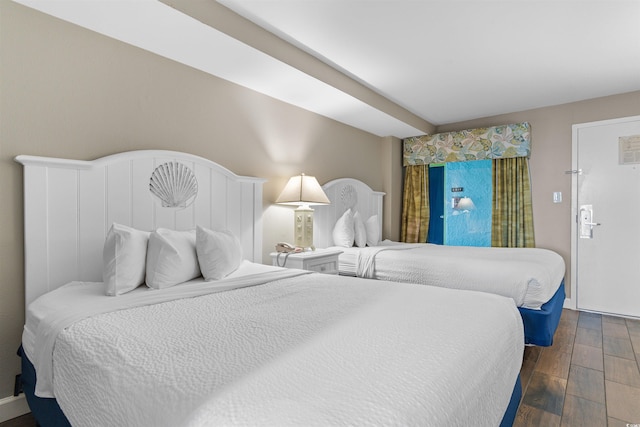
(223, 19)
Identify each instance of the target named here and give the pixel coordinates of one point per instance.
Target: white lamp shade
(303, 190)
(465, 204)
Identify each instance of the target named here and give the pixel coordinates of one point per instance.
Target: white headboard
(344, 193)
(69, 205)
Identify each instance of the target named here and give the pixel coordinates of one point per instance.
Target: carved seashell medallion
(174, 184)
(348, 197)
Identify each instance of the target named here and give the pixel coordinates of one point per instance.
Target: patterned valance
(497, 142)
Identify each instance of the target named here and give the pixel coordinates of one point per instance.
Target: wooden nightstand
(320, 260)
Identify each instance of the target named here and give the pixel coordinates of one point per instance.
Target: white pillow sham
(219, 252)
(171, 258)
(343, 230)
(124, 256)
(360, 232)
(373, 231)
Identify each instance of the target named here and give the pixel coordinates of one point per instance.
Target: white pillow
(171, 258)
(219, 252)
(360, 232)
(343, 231)
(373, 231)
(124, 255)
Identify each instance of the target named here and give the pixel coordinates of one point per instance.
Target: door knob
(585, 222)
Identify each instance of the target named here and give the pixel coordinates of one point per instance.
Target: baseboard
(568, 304)
(12, 407)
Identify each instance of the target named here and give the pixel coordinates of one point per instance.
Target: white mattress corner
(52, 312)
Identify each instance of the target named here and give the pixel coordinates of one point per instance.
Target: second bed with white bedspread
(530, 276)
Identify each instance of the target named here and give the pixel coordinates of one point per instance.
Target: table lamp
(303, 191)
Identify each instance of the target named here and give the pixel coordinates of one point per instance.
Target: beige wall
(551, 135)
(393, 174)
(68, 92)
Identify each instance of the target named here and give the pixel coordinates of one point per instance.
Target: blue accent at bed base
(48, 414)
(514, 404)
(45, 410)
(540, 325)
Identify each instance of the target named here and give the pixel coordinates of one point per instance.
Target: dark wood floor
(589, 377)
(24, 421)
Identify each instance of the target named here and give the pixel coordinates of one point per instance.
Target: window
(460, 198)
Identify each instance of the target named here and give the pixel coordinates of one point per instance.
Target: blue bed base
(45, 410)
(540, 325)
(514, 404)
(48, 414)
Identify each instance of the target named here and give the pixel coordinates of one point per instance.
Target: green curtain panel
(512, 224)
(496, 142)
(415, 205)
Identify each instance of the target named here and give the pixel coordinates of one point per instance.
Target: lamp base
(303, 227)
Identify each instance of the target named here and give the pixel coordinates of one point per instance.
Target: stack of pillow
(351, 230)
(165, 257)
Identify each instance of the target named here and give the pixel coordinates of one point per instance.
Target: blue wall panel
(468, 228)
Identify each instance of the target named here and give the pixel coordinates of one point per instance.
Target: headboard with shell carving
(70, 205)
(344, 193)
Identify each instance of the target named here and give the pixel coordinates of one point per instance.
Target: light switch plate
(557, 197)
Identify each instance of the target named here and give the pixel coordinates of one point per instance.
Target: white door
(606, 207)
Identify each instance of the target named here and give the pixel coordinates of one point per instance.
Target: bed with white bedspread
(307, 349)
(259, 345)
(532, 277)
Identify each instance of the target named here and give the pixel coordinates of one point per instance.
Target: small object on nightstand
(321, 260)
(287, 247)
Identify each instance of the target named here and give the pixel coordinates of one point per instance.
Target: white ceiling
(449, 60)
(444, 61)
